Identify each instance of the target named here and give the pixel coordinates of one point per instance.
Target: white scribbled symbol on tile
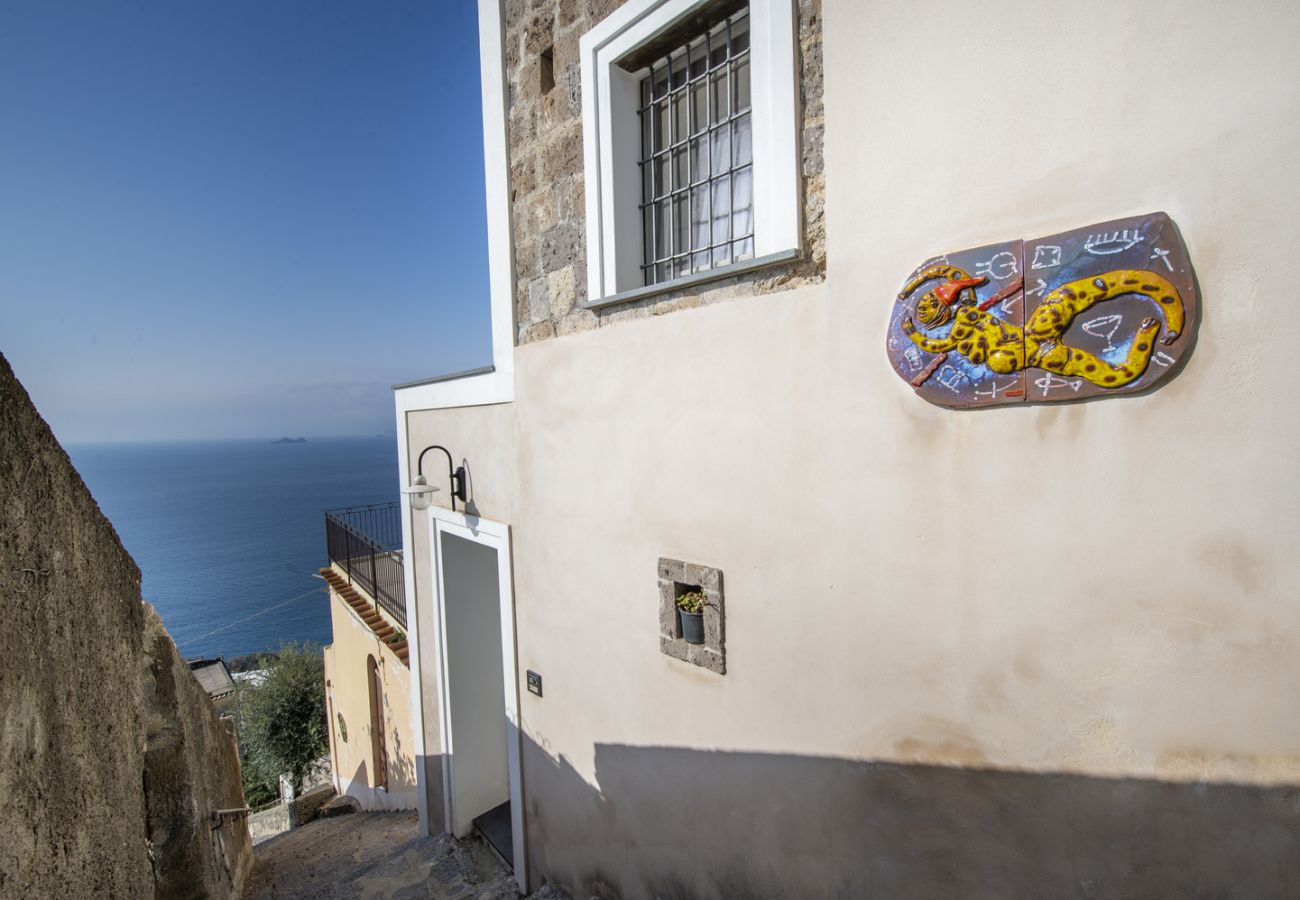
(1049, 382)
(1046, 256)
(1104, 244)
(1098, 328)
(999, 266)
(996, 389)
(950, 378)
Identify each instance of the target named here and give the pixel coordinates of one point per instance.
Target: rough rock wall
(546, 175)
(191, 769)
(77, 652)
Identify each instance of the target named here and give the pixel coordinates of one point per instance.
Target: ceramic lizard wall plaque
(1106, 309)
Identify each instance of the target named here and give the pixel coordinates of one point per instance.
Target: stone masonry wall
(111, 756)
(546, 175)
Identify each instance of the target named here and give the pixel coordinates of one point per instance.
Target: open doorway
(478, 697)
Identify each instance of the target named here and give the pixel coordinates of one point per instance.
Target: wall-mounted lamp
(422, 492)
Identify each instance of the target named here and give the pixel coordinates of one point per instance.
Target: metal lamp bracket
(455, 474)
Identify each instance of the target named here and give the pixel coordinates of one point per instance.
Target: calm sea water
(229, 534)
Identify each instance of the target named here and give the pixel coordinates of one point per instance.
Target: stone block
(529, 80)
(672, 569)
(564, 52)
(710, 580)
(690, 301)
(560, 247)
(568, 12)
(560, 285)
(812, 150)
(526, 264)
(578, 320)
(569, 197)
(693, 573)
(674, 647)
(572, 82)
(562, 152)
(700, 655)
(599, 9)
(638, 310)
(523, 177)
(713, 634)
(539, 332)
(523, 123)
(538, 305)
(537, 32)
(668, 623)
(580, 282)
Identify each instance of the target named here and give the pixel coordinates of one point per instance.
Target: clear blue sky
(238, 218)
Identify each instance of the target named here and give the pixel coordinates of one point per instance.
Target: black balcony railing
(367, 542)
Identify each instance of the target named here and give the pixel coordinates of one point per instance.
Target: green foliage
(396, 637)
(282, 722)
(691, 602)
(251, 662)
(259, 787)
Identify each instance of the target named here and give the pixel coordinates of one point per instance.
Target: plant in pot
(690, 612)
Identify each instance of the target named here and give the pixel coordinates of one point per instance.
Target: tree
(283, 723)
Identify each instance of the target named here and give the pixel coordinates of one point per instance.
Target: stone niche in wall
(675, 578)
(1101, 310)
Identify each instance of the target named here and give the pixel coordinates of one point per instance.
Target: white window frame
(611, 131)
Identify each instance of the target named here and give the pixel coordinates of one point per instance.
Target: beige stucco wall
(349, 694)
(1102, 589)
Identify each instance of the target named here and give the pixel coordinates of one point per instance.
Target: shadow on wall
(401, 764)
(679, 823)
(360, 782)
(434, 793)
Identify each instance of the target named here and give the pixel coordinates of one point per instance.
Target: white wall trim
(611, 135)
(497, 386)
(419, 744)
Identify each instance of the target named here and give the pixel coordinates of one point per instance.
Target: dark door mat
(494, 825)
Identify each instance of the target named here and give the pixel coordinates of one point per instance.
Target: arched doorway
(378, 730)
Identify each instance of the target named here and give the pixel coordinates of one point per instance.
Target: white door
(478, 696)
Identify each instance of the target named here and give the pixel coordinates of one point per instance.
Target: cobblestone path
(375, 856)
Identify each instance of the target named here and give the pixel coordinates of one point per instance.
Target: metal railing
(367, 542)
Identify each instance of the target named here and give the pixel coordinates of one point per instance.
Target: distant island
(290, 441)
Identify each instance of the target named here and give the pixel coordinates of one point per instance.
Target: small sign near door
(534, 683)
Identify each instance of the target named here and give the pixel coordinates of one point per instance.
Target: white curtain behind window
(742, 191)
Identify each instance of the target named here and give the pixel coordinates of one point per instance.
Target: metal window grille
(697, 156)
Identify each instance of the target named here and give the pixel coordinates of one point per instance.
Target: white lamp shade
(421, 492)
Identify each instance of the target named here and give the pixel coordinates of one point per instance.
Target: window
(690, 130)
(697, 159)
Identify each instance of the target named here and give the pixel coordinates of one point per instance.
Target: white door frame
(497, 536)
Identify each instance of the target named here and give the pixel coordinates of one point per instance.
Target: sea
(229, 535)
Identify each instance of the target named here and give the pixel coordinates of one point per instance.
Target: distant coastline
(289, 440)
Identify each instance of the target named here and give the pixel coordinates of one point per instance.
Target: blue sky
(238, 219)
